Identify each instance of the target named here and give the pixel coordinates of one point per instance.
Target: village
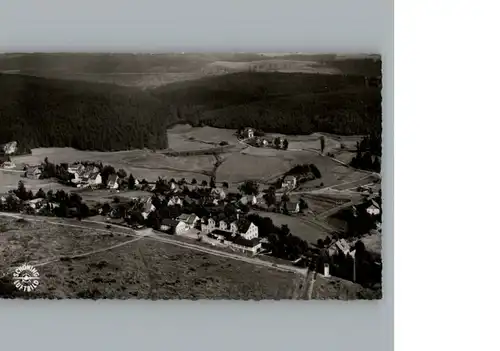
(208, 212)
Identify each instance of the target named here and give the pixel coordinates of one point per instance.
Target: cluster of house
(36, 205)
(83, 176)
(88, 176)
(278, 142)
(240, 233)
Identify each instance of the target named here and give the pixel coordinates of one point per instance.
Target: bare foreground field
(111, 264)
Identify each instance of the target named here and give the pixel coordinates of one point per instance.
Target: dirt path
(311, 287)
(165, 168)
(305, 287)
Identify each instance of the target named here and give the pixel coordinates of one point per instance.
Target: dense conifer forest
(290, 103)
(40, 112)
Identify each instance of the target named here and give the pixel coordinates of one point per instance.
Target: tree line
(368, 153)
(38, 112)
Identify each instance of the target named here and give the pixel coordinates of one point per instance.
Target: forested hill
(294, 103)
(39, 112)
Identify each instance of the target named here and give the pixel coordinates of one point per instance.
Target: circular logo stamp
(26, 278)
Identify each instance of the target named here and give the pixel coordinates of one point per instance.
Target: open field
(266, 163)
(186, 138)
(150, 270)
(318, 204)
(159, 161)
(92, 197)
(138, 268)
(298, 226)
(240, 167)
(29, 241)
(141, 163)
(9, 181)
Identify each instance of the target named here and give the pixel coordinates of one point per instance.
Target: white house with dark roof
(223, 225)
(174, 200)
(292, 207)
(95, 179)
(76, 168)
(208, 225)
(248, 133)
(248, 200)
(35, 203)
(245, 228)
(218, 193)
(33, 172)
(173, 226)
(189, 219)
(148, 208)
(373, 209)
(112, 181)
(251, 245)
(289, 182)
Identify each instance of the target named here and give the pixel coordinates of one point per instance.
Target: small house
(148, 208)
(218, 193)
(292, 207)
(245, 228)
(249, 133)
(373, 209)
(223, 235)
(35, 203)
(207, 225)
(252, 245)
(342, 246)
(76, 168)
(248, 200)
(174, 200)
(189, 219)
(172, 226)
(4, 159)
(223, 225)
(112, 182)
(95, 179)
(8, 165)
(289, 182)
(33, 172)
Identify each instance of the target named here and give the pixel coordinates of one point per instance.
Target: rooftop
(169, 222)
(245, 242)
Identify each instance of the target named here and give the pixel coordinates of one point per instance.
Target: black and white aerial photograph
(166, 176)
